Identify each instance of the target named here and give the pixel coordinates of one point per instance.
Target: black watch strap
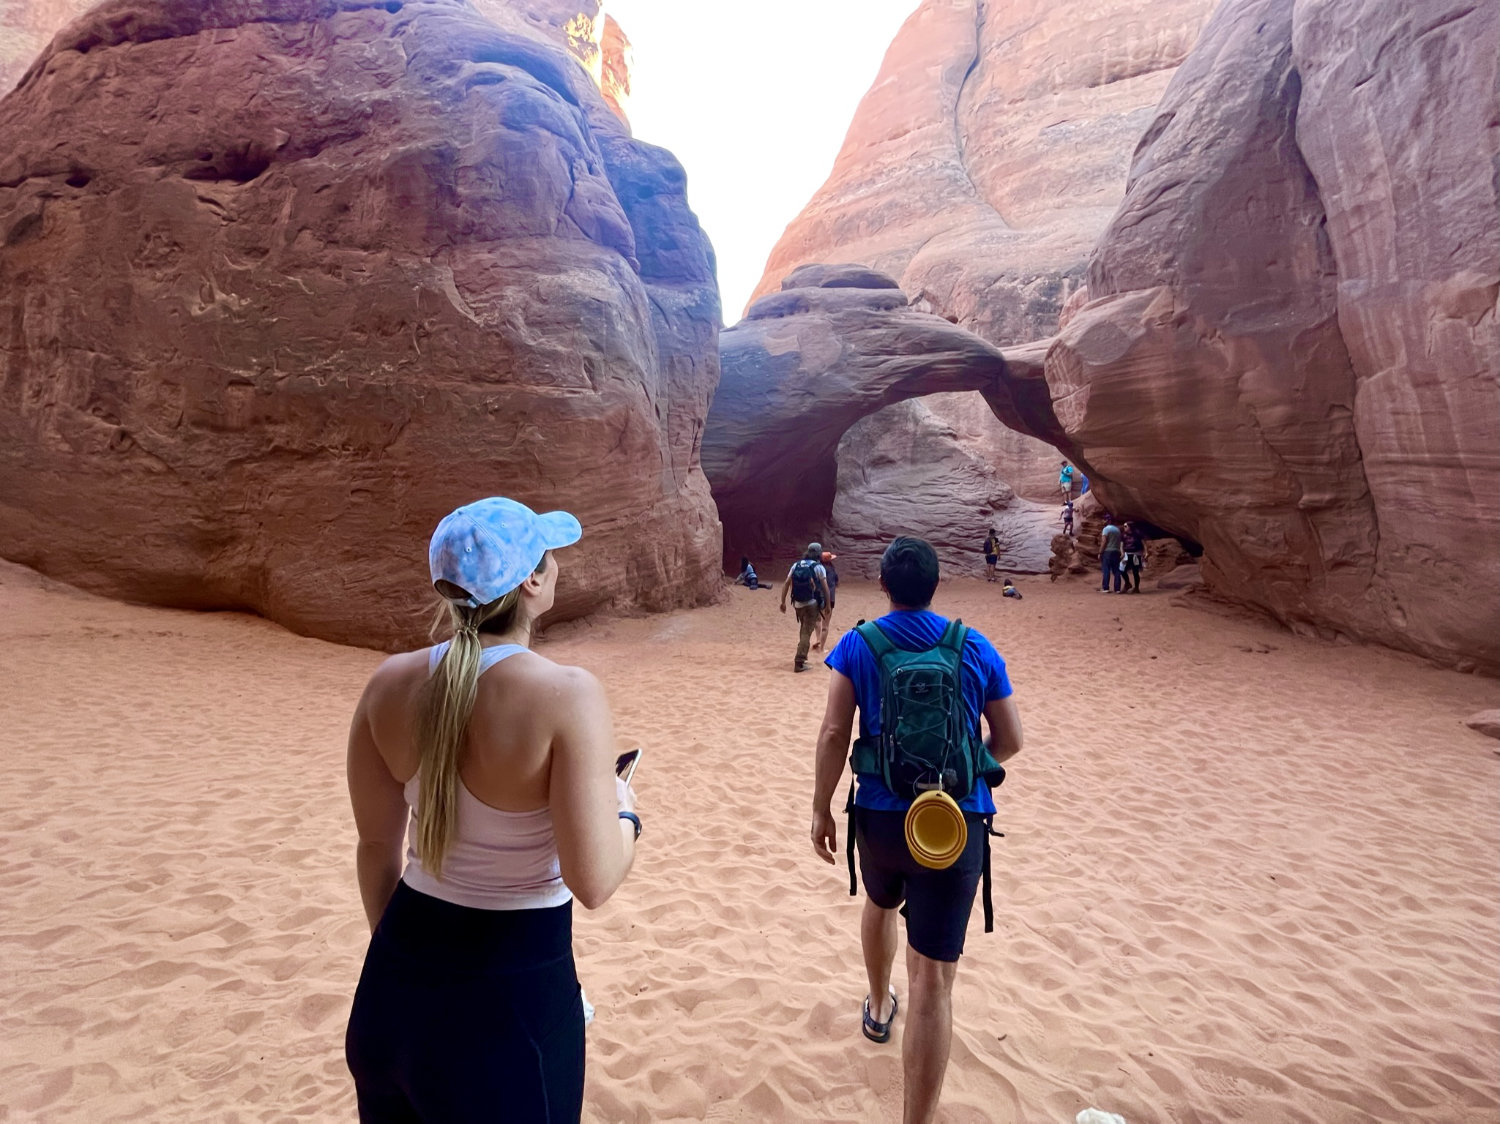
(635, 819)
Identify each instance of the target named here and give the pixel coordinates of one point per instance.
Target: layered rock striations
(990, 153)
(1290, 349)
(835, 345)
(283, 282)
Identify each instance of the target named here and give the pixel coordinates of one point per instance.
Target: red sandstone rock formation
(596, 41)
(979, 170)
(837, 344)
(282, 282)
(1290, 354)
(614, 68)
(907, 471)
(991, 152)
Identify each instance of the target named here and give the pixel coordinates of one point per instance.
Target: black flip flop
(876, 1031)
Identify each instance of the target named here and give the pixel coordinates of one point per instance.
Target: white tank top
(497, 860)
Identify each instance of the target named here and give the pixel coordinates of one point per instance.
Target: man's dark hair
(909, 570)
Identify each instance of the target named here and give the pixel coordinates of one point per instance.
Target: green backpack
(926, 741)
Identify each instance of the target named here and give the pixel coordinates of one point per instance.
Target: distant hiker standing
(1134, 547)
(826, 616)
(807, 582)
(1109, 554)
(1065, 481)
(921, 685)
(1067, 518)
(991, 555)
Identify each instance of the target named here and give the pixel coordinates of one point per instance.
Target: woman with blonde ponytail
(492, 768)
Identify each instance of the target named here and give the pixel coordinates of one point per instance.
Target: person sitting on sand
(747, 575)
(1009, 590)
(938, 902)
(807, 582)
(502, 763)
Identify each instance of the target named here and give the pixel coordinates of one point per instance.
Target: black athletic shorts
(938, 902)
(467, 1016)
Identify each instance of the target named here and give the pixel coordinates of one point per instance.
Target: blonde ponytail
(443, 712)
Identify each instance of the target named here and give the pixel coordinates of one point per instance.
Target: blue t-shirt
(984, 680)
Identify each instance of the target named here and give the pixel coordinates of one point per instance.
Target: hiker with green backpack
(921, 685)
(807, 583)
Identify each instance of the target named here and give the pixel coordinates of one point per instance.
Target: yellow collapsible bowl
(935, 830)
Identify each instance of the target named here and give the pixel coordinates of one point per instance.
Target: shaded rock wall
(905, 471)
(283, 282)
(1290, 353)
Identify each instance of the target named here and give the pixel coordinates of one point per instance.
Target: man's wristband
(635, 819)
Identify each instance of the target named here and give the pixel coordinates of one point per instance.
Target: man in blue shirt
(938, 902)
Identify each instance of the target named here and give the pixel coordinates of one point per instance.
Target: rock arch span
(837, 343)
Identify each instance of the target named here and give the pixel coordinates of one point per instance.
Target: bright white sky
(754, 97)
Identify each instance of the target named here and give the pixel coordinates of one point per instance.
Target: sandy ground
(1246, 876)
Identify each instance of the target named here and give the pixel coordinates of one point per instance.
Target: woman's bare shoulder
(396, 674)
(561, 677)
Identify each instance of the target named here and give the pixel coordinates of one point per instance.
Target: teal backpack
(926, 741)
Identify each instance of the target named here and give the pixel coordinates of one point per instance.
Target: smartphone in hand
(625, 764)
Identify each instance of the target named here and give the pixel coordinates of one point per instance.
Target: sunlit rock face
(1290, 349)
(991, 151)
(908, 471)
(394, 259)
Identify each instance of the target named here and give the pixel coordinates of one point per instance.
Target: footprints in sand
(1208, 908)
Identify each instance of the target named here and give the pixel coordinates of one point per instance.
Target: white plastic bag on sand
(1098, 1116)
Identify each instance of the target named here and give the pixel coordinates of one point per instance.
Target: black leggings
(467, 1015)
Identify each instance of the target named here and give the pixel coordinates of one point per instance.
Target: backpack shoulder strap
(878, 642)
(954, 637)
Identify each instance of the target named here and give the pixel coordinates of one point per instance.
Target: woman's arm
(379, 814)
(595, 847)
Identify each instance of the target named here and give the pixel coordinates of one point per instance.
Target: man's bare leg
(928, 1034)
(878, 937)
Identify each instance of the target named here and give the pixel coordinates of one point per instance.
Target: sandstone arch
(836, 344)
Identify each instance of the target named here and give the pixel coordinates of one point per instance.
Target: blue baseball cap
(487, 547)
